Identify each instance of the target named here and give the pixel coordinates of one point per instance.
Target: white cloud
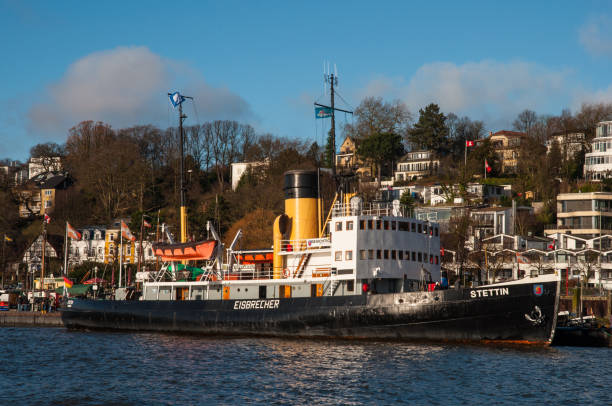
(487, 90)
(596, 35)
(127, 86)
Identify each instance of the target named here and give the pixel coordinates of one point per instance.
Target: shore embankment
(14, 318)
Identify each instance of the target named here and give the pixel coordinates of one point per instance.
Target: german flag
(67, 283)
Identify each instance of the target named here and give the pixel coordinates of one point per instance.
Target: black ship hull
(521, 313)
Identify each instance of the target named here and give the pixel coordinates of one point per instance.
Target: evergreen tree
(328, 155)
(430, 132)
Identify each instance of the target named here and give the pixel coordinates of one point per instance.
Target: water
(42, 366)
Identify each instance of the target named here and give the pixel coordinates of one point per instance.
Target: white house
(598, 162)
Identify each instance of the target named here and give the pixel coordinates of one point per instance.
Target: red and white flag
(487, 167)
(146, 224)
(126, 233)
(469, 143)
(47, 219)
(553, 244)
(72, 232)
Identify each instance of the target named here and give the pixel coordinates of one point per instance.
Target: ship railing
(305, 245)
(367, 209)
(257, 272)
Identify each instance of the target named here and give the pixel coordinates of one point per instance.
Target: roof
(54, 182)
(508, 133)
(76, 290)
(486, 209)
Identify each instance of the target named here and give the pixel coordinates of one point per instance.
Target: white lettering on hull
(256, 304)
(489, 292)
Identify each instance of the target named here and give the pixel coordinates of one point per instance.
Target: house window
(363, 254)
(48, 203)
(100, 251)
(338, 256)
(339, 226)
(129, 250)
(348, 255)
(150, 252)
(349, 225)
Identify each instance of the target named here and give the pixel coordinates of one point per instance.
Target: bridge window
(370, 254)
(437, 260)
(362, 224)
(413, 227)
(414, 256)
(404, 225)
(370, 224)
(393, 254)
(378, 225)
(400, 255)
(420, 257)
(436, 231)
(420, 228)
(363, 254)
(349, 225)
(393, 225)
(386, 224)
(378, 254)
(386, 254)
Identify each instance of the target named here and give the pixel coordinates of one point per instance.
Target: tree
(328, 154)
(430, 132)
(375, 116)
(381, 148)
(461, 129)
(525, 121)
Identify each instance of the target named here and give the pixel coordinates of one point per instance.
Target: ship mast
(332, 79)
(177, 101)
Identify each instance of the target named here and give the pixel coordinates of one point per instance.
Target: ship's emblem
(538, 290)
(535, 316)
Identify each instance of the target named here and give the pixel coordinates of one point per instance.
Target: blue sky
(261, 62)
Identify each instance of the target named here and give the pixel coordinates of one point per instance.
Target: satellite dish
(356, 203)
(396, 208)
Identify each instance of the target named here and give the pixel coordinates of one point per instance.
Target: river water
(44, 366)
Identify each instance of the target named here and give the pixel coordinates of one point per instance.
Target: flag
(126, 233)
(521, 259)
(72, 232)
(323, 112)
(553, 244)
(487, 167)
(146, 224)
(67, 282)
(47, 219)
(469, 143)
(176, 98)
(7, 238)
(442, 251)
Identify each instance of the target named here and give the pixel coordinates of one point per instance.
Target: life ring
(286, 273)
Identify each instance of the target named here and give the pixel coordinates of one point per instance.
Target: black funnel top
(300, 183)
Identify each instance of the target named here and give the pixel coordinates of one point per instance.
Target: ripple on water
(46, 366)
